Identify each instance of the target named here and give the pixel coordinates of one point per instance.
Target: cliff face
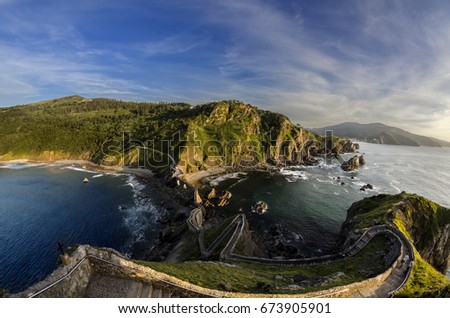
(424, 222)
(111, 132)
(428, 225)
(232, 133)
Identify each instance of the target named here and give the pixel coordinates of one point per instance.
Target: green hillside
(427, 226)
(113, 132)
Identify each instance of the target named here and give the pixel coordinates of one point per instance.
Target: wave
(293, 175)
(19, 166)
(236, 175)
(98, 175)
(141, 217)
(395, 187)
(239, 181)
(76, 168)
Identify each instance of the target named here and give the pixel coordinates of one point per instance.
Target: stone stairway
(113, 287)
(393, 281)
(361, 244)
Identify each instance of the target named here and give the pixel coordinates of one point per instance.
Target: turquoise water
(307, 205)
(43, 205)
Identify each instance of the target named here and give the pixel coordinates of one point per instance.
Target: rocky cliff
(162, 136)
(231, 133)
(424, 222)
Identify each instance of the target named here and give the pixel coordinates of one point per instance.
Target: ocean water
(43, 205)
(307, 205)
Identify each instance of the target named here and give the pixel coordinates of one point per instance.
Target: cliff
(425, 223)
(158, 135)
(231, 133)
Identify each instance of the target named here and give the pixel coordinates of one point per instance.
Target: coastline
(173, 201)
(85, 164)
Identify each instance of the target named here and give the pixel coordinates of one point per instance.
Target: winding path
(399, 274)
(108, 280)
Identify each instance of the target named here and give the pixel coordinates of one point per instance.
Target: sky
(318, 62)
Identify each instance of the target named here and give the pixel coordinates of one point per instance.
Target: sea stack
(85, 180)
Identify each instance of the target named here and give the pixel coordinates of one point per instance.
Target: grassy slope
(246, 277)
(92, 129)
(416, 217)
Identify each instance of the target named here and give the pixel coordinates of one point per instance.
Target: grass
(190, 249)
(373, 208)
(211, 234)
(256, 278)
(425, 280)
(420, 220)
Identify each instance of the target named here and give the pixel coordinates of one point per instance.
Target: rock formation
(426, 223)
(212, 194)
(353, 163)
(197, 198)
(366, 186)
(224, 198)
(261, 207)
(196, 219)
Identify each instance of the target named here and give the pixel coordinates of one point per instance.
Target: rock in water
(353, 163)
(224, 198)
(197, 198)
(261, 207)
(362, 160)
(212, 194)
(366, 186)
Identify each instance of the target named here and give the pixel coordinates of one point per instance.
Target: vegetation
(425, 281)
(212, 233)
(256, 278)
(190, 249)
(115, 132)
(422, 221)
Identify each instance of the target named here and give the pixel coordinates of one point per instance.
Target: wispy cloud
(172, 45)
(392, 66)
(370, 61)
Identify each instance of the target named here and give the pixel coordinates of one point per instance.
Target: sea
(307, 205)
(43, 205)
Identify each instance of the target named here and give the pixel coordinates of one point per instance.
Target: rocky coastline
(174, 197)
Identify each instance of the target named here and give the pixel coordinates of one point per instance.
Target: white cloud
(394, 68)
(381, 61)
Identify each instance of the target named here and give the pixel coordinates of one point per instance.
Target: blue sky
(319, 62)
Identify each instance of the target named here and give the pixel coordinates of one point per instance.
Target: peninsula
(390, 245)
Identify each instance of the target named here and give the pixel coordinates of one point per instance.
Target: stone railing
(73, 279)
(228, 252)
(206, 252)
(70, 280)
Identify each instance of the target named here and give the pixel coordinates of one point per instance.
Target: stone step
(166, 293)
(147, 291)
(134, 290)
(157, 293)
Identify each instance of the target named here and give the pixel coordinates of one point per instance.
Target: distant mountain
(381, 134)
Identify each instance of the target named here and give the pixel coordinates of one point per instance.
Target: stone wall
(74, 285)
(87, 261)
